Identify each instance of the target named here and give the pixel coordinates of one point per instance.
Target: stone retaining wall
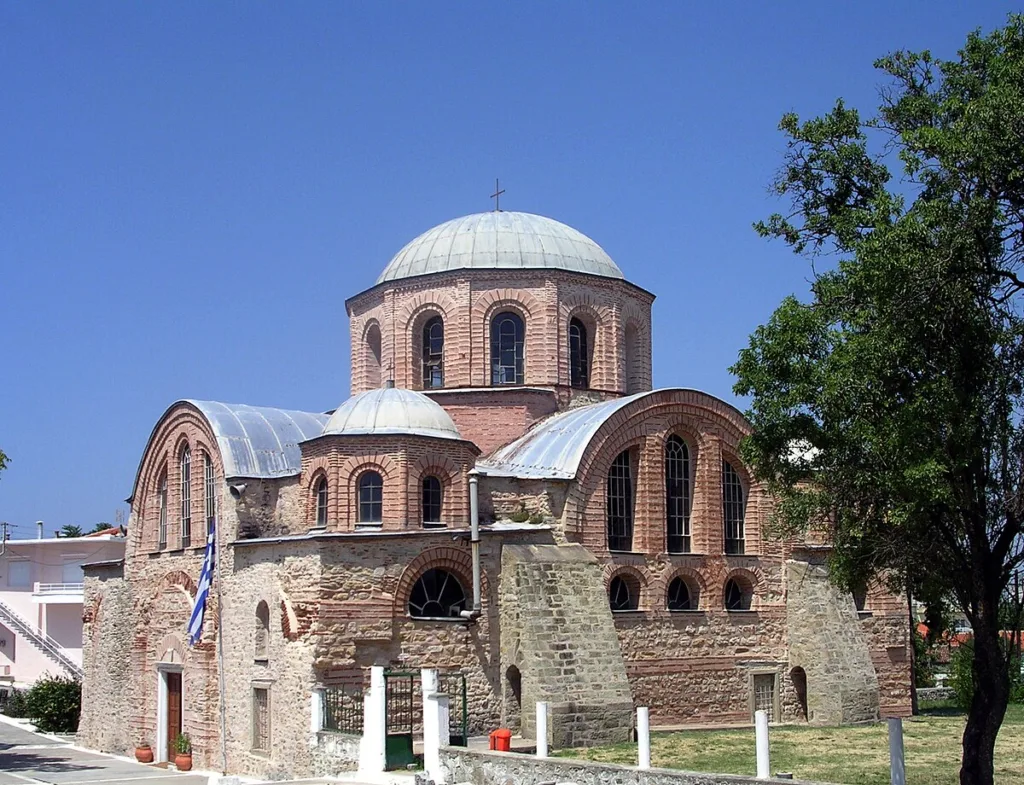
(506, 768)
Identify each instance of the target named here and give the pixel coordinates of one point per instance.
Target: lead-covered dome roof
(391, 411)
(500, 240)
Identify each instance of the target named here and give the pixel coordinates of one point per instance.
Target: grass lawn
(850, 755)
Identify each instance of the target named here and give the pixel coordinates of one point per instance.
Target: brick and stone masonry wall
(559, 645)
(503, 768)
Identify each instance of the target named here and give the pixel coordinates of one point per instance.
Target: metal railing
(343, 710)
(59, 588)
(41, 640)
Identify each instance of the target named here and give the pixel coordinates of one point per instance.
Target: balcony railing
(51, 589)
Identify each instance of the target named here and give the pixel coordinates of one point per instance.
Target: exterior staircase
(40, 640)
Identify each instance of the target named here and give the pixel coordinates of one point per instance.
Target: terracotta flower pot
(144, 754)
(183, 760)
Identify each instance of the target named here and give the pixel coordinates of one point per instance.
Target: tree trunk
(988, 706)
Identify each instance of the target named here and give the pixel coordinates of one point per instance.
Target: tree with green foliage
(102, 526)
(70, 530)
(887, 410)
(3, 460)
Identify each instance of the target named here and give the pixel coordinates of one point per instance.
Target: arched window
(679, 596)
(507, 335)
(634, 359)
(371, 497)
(320, 493)
(860, 598)
(437, 595)
(186, 497)
(372, 356)
(677, 495)
(624, 593)
(431, 501)
(620, 504)
(209, 493)
(733, 507)
(262, 630)
(433, 353)
(161, 500)
(738, 595)
(579, 367)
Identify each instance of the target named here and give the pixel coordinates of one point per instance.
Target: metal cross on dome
(496, 196)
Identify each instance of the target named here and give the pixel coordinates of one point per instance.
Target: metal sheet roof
(500, 240)
(390, 411)
(554, 447)
(258, 441)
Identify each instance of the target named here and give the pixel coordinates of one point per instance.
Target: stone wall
(502, 768)
(557, 633)
(827, 642)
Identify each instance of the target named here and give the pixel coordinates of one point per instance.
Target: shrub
(15, 705)
(961, 675)
(54, 704)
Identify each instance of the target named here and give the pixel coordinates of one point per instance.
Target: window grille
(321, 502)
(579, 372)
(433, 353)
(622, 596)
(620, 504)
(733, 507)
(437, 595)
(343, 710)
(186, 497)
(764, 694)
(431, 501)
(162, 502)
(677, 495)
(261, 719)
(371, 498)
(679, 596)
(507, 353)
(210, 493)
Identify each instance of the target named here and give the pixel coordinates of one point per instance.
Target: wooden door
(173, 711)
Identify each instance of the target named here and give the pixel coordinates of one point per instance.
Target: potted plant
(143, 752)
(183, 752)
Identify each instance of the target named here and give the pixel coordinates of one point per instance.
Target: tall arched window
(437, 595)
(579, 369)
(677, 495)
(161, 500)
(507, 340)
(431, 501)
(620, 504)
(433, 353)
(209, 493)
(733, 507)
(371, 497)
(320, 492)
(372, 356)
(186, 497)
(262, 631)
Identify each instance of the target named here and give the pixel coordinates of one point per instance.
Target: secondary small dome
(388, 411)
(500, 240)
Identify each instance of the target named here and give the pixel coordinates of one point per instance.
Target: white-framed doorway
(170, 684)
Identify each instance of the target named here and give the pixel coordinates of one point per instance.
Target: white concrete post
(435, 725)
(897, 767)
(643, 737)
(761, 738)
(316, 713)
(542, 729)
(375, 727)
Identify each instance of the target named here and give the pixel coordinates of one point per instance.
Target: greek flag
(195, 624)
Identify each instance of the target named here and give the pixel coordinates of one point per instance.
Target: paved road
(33, 759)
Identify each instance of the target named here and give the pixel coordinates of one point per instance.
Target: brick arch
(318, 467)
(412, 321)
(180, 423)
(422, 302)
(171, 643)
(693, 580)
(456, 561)
(348, 484)
(640, 574)
(487, 304)
(291, 626)
(752, 577)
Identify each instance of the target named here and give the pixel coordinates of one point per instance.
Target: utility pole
(3, 537)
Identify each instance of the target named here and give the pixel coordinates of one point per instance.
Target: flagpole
(220, 641)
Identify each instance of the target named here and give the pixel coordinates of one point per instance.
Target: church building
(503, 497)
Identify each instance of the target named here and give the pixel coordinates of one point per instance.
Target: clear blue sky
(189, 191)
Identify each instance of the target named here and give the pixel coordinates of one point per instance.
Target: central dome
(500, 240)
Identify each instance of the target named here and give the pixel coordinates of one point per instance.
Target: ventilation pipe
(39, 530)
(474, 540)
